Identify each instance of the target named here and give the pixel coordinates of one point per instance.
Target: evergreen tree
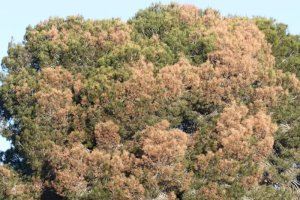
(175, 103)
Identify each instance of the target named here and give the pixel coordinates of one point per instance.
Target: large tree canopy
(175, 103)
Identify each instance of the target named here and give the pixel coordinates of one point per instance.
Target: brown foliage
(189, 13)
(241, 58)
(245, 136)
(161, 146)
(107, 135)
(244, 141)
(163, 157)
(160, 167)
(55, 98)
(74, 166)
(12, 187)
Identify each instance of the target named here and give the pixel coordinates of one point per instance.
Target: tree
(177, 102)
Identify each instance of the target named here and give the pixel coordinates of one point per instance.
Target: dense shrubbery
(176, 103)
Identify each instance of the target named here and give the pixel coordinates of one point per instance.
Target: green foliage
(165, 26)
(285, 46)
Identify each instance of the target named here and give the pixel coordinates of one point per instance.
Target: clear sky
(16, 15)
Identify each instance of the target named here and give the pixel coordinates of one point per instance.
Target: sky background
(16, 15)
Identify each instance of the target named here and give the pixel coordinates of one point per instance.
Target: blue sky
(16, 15)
